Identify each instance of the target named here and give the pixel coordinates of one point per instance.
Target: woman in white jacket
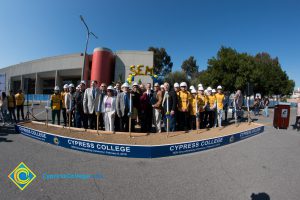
(108, 109)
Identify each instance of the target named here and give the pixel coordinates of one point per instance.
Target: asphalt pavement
(266, 166)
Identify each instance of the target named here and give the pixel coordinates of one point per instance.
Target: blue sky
(34, 29)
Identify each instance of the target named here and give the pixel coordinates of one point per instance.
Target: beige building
(41, 75)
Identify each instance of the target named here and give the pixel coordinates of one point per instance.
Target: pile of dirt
(141, 138)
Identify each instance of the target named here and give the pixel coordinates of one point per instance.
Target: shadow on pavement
(260, 196)
(5, 131)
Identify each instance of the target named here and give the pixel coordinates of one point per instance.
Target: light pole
(86, 44)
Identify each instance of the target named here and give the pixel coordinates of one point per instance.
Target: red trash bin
(281, 116)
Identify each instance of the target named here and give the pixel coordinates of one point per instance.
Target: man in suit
(169, 103)
(157, 109)
(102, 88)
(123, 107)
(91, 102)
(146, 109)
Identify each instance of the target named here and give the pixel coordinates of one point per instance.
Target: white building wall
(124, 59)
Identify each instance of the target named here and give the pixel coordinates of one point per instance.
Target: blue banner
(136, 151)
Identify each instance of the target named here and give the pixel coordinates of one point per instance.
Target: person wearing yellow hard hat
(56, 105)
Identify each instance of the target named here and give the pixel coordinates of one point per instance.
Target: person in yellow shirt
(12, 106)
(63, 108)
(220, 98)
(210, 108)
(20, 104)
(56, 105)
(193, 109)
(202, 99)
(184, 97)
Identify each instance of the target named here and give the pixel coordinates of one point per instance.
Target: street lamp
(86, 44)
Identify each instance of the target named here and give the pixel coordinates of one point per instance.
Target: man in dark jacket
(146, 109)
(78, 102)
(169, 107)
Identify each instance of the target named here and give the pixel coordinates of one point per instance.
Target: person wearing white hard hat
(108, 109)
(202, 98)
(169, 105)
(91, 104)
(78, 107)
(210, 108)
(123, 107)
(184, 97)
(82, 86)
(162, 88)
(135, 93)
(220, 97)
(157, 106)
(146, 109)
(63, 108)
(56, 105)
(193, 109)
(69, 103)
(102, 88)
(176, 87)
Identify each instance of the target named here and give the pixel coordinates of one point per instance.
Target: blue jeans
(219, 117)
(172, 123)
(266, 111)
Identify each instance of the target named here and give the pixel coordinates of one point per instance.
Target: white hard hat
(183, 84)
(192, 87)
(66, 86)
(125, 85)
(193, 91)
(201, 88)
(156, 85)
(200, 85)
(71, 85)
(56, 88)
(209, 89)
(83, 82)
(213, 90)
(135, 84)
(176, 85)
(110, 88)
(219, 87)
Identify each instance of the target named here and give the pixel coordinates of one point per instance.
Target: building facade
(42, 75)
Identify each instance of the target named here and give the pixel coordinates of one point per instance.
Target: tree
(233, 70)
(162, 61)
(190, 67)
(176, 76)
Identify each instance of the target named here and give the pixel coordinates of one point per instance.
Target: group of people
(10, 103)
(122, 108)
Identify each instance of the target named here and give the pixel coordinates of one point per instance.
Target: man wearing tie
(123, 107)
(169, 105)
(90, 103)
(146, 109)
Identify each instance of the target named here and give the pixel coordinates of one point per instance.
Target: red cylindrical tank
(102, 65)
